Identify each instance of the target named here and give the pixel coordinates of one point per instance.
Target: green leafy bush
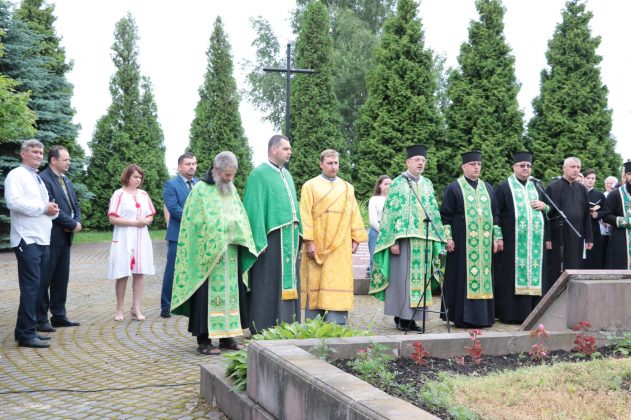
(311, 328)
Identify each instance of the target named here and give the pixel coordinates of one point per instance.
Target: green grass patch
(94, 237)
(587, 390)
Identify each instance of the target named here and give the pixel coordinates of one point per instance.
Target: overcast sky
(174, 39)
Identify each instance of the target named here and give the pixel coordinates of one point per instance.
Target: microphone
(533, 179)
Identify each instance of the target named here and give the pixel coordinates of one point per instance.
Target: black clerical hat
(627, 167)
(416, 150)
(473, 156)
(522, 157)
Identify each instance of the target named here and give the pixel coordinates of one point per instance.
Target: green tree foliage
(355, 25)
(35, 59)
(39, 17)
(217, 123)
(16, 121)
(571, 117)
(128, 133)
(51, 91)
(484, 113)
(401, 108)
(315, 117)
(266, 91)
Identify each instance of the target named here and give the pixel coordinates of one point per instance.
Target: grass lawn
(596, 389)
(92, 237)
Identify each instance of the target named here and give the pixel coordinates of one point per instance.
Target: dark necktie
(190, 184)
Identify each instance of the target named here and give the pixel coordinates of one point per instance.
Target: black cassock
(572, 199)
(617, 251)
(596, 256)
(462, 311)
(510, 308)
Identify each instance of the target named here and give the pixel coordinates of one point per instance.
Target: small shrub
(311, 328)
(539, 351)
(419, 354)
(622, 344)
(475, 349)
(371, 364)
(584, 344)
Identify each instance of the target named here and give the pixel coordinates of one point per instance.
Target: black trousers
(54, 286)
(32, 260)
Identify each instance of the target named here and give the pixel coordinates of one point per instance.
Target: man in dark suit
(54, 286)
(174, 194)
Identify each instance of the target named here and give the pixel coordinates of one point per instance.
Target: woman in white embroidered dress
(131, 252)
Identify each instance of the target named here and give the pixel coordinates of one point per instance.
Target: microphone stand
(427, 278)
(564, 220)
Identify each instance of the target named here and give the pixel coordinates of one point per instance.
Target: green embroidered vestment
(529, 231)
(212, 228)
(479, 243)
(403, 217)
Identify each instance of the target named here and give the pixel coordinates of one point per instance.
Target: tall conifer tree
(25, 69)
(127, 133)
(483, 112)
(571, 117)
(217, 124)
(52, 100)
(16, 121)
(315, 117)
(401, 108)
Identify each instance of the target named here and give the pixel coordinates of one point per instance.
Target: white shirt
(27, 199)
(375, 210)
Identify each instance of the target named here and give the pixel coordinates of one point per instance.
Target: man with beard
(207, 285)
(617, 213)
(571, 198)
(332, 230)
(519, 275)
(469, 214)
(272, 207)
(400, 270)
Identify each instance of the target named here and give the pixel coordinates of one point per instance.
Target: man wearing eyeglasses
(520, 273)
(566, 249)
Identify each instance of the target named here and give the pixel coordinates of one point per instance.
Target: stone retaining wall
(285, 381)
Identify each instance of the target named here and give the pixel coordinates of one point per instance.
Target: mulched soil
(411, 373)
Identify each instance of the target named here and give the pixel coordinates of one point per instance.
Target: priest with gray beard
(215, 233)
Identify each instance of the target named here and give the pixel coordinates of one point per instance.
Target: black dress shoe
(45, 327)
(41, 337)
(164, 314)
(34, 343)
(63, 322)
(407, 325)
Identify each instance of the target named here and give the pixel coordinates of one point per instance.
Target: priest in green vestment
(271, 204)
(470, 216)
(408, 250)
(520, 266)
(214, 232)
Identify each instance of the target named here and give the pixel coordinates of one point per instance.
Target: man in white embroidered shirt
(31, 221)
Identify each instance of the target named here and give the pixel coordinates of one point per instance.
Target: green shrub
(311, 328)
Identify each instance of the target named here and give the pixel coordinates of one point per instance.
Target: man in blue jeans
(174, 194)
(31, 221)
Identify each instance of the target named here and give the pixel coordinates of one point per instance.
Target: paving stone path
(108, 369)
